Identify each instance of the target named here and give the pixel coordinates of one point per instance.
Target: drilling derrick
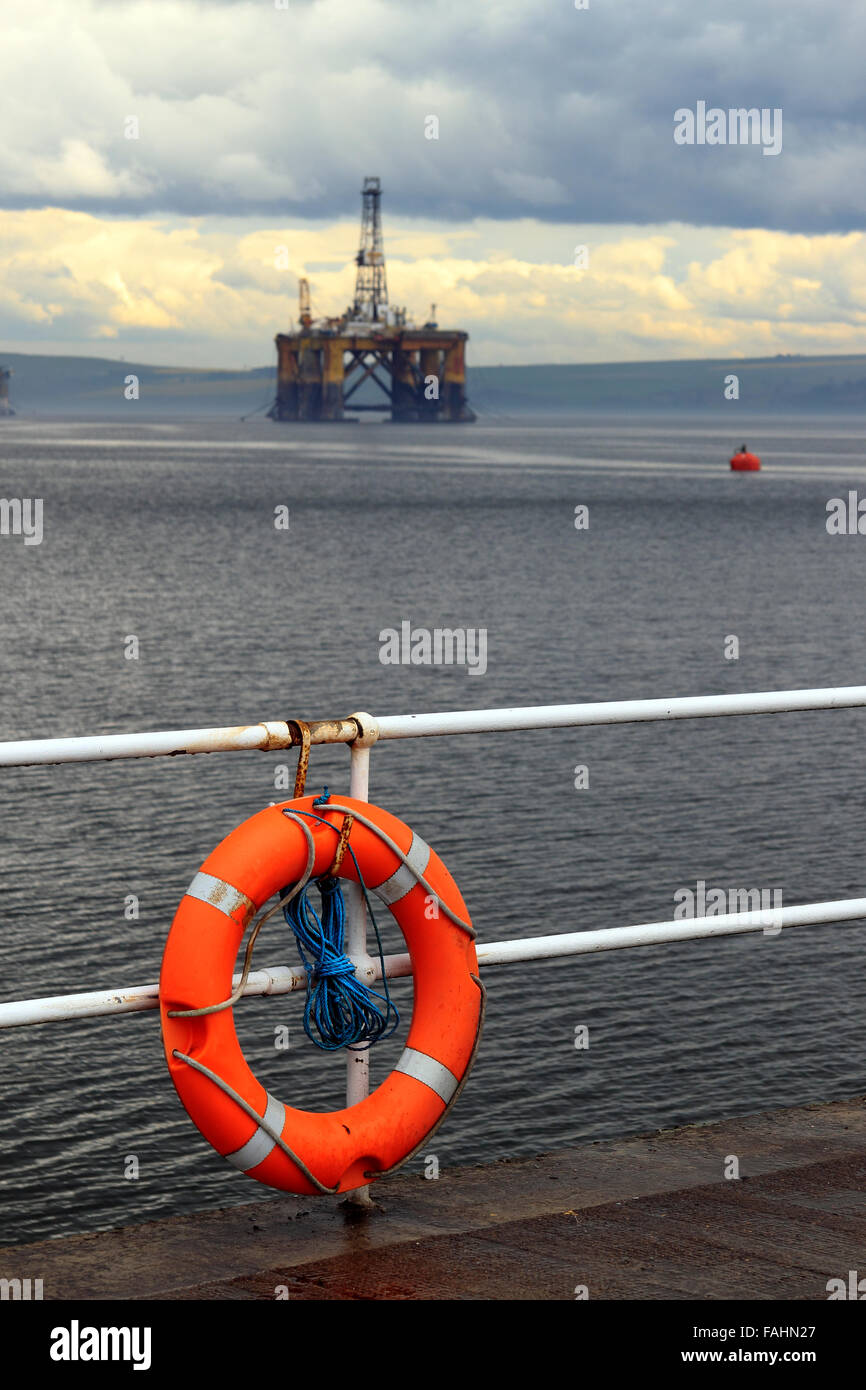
(419, 372)
(371, 289)
(305, 318)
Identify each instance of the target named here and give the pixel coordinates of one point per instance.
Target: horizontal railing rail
(268, 735)
(285, 979)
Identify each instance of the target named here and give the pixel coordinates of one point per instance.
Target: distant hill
(767, 384)
(95, 386)
(92, 386)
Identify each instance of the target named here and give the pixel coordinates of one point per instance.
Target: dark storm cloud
(543, 109)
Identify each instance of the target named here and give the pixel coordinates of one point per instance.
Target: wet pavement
(651, 1217)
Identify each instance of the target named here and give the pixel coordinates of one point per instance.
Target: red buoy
(744, 462)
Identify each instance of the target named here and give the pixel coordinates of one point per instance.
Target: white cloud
(211, 292)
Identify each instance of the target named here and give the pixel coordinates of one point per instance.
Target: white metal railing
(273, 734)
(285, 979)
(360, 732)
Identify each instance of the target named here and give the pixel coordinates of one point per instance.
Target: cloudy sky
(158, 156)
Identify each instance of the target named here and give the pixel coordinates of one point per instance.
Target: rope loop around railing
(303, 758)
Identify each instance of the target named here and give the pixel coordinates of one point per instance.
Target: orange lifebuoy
(297, 1150)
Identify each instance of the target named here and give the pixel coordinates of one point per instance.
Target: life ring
(296, 1150)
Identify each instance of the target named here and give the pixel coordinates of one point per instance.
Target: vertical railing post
(358, 1062)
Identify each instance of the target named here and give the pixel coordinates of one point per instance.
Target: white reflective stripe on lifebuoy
(433, 1074)
(403, 881)
(256, 1150)
(223, 896)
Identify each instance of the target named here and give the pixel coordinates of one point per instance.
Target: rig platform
(420, 371)
(5, 407)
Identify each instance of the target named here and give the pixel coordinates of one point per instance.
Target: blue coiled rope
(343, 1011)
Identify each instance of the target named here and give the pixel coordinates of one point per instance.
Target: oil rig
(420, 372)
(5, 407)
